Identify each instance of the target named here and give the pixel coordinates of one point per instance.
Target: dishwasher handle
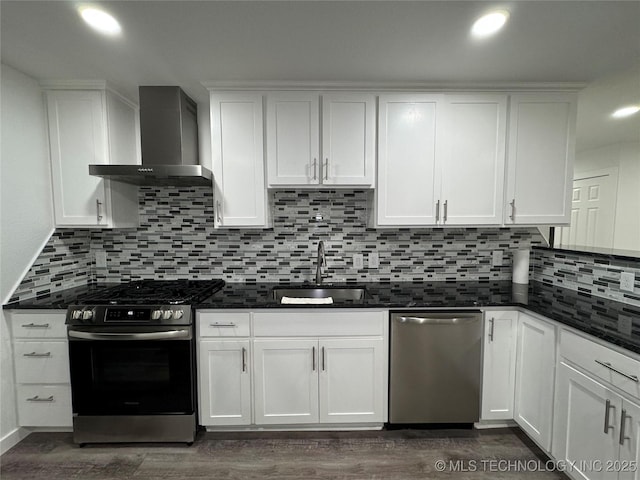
(436, 320)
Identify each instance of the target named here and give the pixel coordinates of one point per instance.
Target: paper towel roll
(521, 266)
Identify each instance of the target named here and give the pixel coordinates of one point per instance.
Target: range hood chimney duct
(169, 141)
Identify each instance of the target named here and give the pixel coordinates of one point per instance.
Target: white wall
(26, 214)
(626, 158)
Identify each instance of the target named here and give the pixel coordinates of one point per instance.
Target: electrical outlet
(101, 259)
(627, 279)
(358, 261)
(496, 258)
(374, 260)
(624, 324)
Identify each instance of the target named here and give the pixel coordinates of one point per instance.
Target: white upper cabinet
(540, 158)
(406, 159)
(294, 131)
(91, 126)
(293, 138)
(348, 139)
(471, 167)
(238, 160)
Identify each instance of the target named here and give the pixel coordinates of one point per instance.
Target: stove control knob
(87, 315)
(156, 314)
(167, 314)
(76, 314)
(178, 314)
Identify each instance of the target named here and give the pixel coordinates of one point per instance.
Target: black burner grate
(157, 291)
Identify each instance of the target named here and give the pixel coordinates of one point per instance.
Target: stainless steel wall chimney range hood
(169, 140)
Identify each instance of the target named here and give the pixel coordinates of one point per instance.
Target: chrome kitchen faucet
(320, 262)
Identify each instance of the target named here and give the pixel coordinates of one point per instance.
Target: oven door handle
(171, 334)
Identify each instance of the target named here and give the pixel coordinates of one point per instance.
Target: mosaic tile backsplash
(176, 239)
(586, 273)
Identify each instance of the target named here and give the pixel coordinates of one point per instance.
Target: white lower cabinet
(41, 361)
(286, 380)
(225, 382)
(535, 367)
(596, 427)
(499, 365)
(293, 368)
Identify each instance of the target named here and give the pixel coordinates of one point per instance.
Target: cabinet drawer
(41, 362)
(607, 364)
(44, 405)
(319, 324)
(39, 324)
(224, 324)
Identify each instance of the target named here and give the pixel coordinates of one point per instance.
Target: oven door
(132, 371)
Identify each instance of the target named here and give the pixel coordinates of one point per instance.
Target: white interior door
(593, 205)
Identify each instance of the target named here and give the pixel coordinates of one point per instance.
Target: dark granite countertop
(597, 316)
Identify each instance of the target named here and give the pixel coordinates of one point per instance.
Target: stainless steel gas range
(132, 362)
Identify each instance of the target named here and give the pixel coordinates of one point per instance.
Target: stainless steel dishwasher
(435, 367)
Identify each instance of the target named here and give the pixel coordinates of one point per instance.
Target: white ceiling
(189, 42)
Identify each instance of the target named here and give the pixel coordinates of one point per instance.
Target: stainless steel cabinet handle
(613, 369)
(492, 323)
(218, 212)
(323, 362)
(244, 359)
(231, 324)
(435, 320)
(437, 211)
(607, 408)
(38, 399)
(34, 354)
(326, 169)
(130, 336)
(99, 216)
(623, 421)
(513, 210)
(313, 358)
(315, 168)
(35, 325)
(445, 211)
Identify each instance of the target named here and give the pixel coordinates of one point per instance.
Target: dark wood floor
(385, 455)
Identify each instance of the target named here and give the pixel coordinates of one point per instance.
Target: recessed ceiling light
(490, 23)
(626, 111)
(100, 20)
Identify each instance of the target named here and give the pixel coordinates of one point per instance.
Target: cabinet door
(472, 164)
(348, 139)
(238, 160)
(351, 380)
(293, 131)
(77, 137)
(629, 441)
(499, 365)
(540, 158)
(585, 425)
(535, 378)
(406, 159)
(286, 381)
(225, 383)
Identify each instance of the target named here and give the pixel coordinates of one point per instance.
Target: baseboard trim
(12, 438)
(495, 424)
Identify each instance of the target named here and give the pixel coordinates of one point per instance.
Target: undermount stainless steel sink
(354, 294)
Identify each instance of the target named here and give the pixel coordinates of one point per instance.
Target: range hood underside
(158, 175)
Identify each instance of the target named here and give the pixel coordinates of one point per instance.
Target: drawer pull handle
(222, 324)
(38, 399)
(313, 359)
(34, 354)
(607, 408)
(492, 322)
(35, 325)
(613, 369)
